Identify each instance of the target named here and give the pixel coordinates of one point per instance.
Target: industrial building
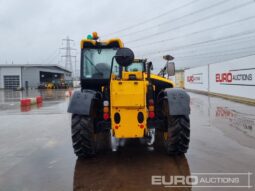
(31, 75)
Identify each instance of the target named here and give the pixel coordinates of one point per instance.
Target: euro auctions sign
(195, 78)
(239, 77)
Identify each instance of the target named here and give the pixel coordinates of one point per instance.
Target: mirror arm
(111, 70)
(121, 69)
(149, 64)
(166, 68)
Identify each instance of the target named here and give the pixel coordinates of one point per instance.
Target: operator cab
(96, 59)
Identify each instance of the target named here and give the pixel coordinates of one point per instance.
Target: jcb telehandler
(120, 97)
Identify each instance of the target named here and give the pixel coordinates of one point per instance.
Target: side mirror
(170, 68)
(124, 57)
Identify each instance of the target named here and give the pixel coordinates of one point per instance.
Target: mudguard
(80, 102)
(178, 101)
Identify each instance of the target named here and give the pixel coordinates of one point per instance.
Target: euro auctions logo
(205, 180)
(224, 77)
(242, 77)
(195, 78)
(229, 77)
(190, 79)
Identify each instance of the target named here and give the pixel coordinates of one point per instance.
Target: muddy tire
(178, 135)
(83, 136)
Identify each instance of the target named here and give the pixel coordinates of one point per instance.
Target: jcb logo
(224, 77)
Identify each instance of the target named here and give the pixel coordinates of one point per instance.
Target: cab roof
(111, 43)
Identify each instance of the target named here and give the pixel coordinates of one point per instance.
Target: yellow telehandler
(120, 97)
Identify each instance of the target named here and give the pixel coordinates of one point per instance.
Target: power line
(218, 53)
(204, 42)
(216, 58)
(179, 18)
(227, 42)
(196, 32)
(151, 19)
(52, 60)
(53, 54)
(231, 43)
(219, 58)
(193, 22)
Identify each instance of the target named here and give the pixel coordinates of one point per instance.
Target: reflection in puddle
(235, 120)
(130, 168)
(240, 121)
(11, 96)
(10, 102)
(25, 108)
(29, 107)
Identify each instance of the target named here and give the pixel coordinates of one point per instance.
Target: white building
(30, 76)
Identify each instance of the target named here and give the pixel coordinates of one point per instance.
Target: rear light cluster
(151, 109)
(106, 110)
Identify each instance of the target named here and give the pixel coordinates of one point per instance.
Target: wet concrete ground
(36, 151)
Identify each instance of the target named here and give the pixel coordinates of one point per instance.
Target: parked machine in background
(56, 84)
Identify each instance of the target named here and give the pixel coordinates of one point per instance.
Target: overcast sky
(195, 32)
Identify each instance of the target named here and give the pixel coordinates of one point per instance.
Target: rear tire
(178, 135)
(83, 136)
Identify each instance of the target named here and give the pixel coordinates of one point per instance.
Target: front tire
(83, 136)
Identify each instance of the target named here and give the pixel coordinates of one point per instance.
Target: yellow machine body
(159, 78)
(50, 85)
(128, 98)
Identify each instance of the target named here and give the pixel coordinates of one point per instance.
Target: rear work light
(106, 103)
(106, 110)
(151, 102)
(151, 114)
(106, 116)
(151, 109)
